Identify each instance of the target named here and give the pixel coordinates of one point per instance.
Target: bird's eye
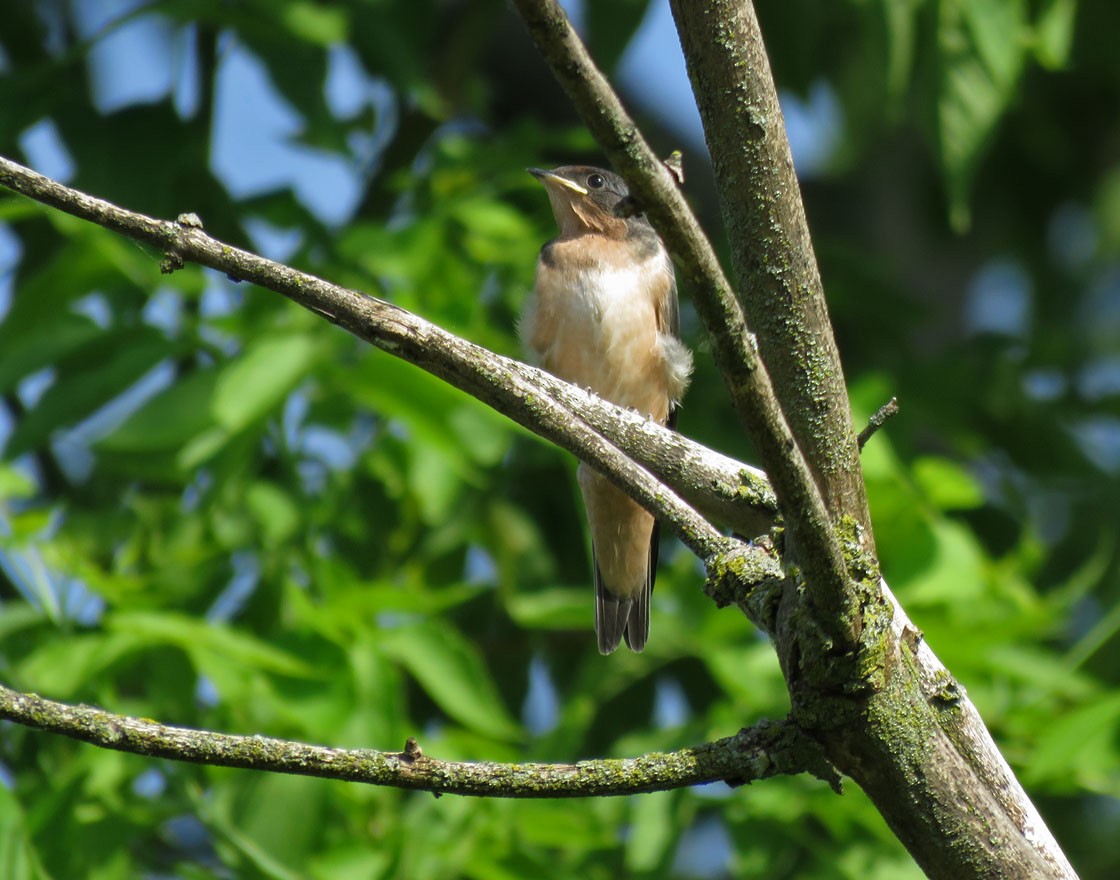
(595, 181)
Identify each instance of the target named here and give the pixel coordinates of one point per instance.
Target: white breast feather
(612, 332)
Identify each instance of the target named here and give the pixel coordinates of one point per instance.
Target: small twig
(886, 412)
(766, 749)
(675, 164)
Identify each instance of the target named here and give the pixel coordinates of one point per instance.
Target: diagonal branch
(466, 366)
(767, 749)
(748, 383)
(727, 492)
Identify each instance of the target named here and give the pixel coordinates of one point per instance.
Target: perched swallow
(604, 316)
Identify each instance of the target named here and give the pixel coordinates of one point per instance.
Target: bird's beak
(548, 178)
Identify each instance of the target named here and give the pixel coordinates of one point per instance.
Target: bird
(604, 315)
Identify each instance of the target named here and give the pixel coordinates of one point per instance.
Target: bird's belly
(599, 330)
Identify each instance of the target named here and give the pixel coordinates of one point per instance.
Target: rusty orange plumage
(604, 316)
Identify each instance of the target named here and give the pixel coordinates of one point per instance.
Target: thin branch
(497, 381)
(752, 395)
(882, 415)
(767, 749)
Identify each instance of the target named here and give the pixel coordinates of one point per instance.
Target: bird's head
(584, 199)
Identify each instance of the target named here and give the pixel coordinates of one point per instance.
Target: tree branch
(499, 382)
(729, 493)
(767, 749)
(771, 250)
(752, 395)
(923, 755)
(881, 416)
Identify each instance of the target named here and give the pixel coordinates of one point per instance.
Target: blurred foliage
(218, 510)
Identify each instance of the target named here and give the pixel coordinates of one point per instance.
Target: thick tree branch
(936, 774)
(655, 189)
(767, 749)
(779, 282)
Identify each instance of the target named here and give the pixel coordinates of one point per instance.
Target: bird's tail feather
(617, 618)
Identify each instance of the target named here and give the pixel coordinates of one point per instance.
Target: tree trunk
(888, 714)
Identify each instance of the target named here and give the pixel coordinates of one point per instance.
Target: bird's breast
(595, 324)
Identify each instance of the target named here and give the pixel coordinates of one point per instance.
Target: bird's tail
(617, 618)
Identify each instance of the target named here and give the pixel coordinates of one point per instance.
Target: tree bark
(778, 281)
(887, 713)
(759, 752)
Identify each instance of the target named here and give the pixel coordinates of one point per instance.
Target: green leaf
(954, 575)
(257, 820)
(108, 366)
(85, 262)
(254, 385)
(547, 823)
(201, 448)
(15, 483)
(18, 618)
(981, 46)
(44, 344)
(18, 858)
(653, 831)
(611, 26)
(168, 420)
(208, 643)
(450, 670)
(557, 608)
(485, 436)
(1079, 748)
(316, 23)
(901, 22)
(63, 666)
(947, 485)
(495, 231)
(1054, 33)
(274, 509)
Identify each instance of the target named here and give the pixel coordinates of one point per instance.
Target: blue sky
(147, 58)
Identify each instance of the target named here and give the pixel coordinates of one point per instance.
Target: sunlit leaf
(947, 485)
(557, 608)
(274, 509)
(1054, 32)
(1080, 747)
(256, 383)
(315, 22)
